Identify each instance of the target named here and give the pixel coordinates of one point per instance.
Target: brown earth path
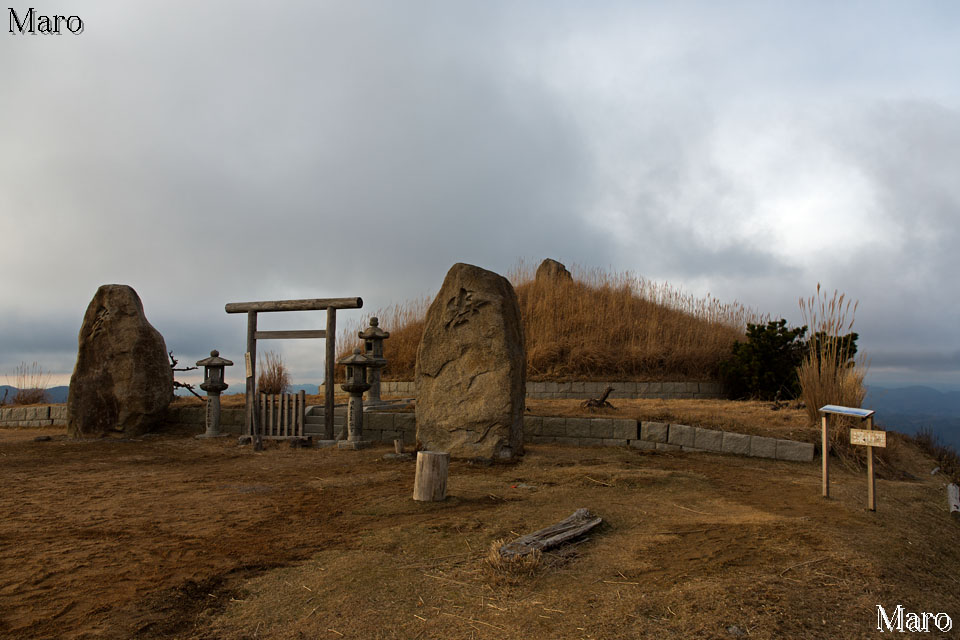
(170, 537)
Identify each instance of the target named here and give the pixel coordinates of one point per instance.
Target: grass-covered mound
(597, 325)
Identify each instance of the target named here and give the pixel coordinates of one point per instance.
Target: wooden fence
(283, 415)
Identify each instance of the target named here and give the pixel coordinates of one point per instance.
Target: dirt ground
(171, 537)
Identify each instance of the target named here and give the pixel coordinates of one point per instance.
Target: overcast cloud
(225, 151)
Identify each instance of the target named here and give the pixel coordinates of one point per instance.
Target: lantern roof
(374, 331)
(356, 358)
(214, 361)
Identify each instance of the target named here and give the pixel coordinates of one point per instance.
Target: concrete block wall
(384, 426)
(45, 416)
(659, 436)
(615, 432)
(584, 390)
(231, 419)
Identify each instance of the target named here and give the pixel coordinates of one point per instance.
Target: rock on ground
(122, 382)
(470, 370)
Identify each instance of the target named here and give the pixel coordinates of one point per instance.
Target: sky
(212, 152)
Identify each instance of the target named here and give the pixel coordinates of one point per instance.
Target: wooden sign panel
(249, 364)
(868, 437)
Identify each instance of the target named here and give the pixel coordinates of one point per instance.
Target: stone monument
(122, 382)
(470, 370)
(552, 271)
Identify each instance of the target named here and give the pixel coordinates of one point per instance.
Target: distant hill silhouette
(55, 395)
(909, 409)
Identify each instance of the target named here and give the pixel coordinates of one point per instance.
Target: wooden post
(871, 482)
(430, 481)
(263, 408)
(825, 450)
(398, 446)
(252, 420)
(301, 411)
(953, 500)
(330, 342)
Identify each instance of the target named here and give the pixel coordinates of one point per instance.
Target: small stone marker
(430, 481)
(552, 271)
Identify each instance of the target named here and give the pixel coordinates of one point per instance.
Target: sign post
(869, 439)
(866, 437)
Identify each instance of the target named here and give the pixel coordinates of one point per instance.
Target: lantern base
(354, 445)
(212, 435)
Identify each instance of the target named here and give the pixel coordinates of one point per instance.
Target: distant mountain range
(905, 409)
(55, 395)
(909, 409)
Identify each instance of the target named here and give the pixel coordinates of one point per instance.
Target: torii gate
(329, 334)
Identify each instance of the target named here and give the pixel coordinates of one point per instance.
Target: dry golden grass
(601, 325)
(827, 375)
(272, 374)
(518, 565)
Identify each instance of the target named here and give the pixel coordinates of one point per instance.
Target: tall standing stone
(122, 382)
(552, 271)
(471, 366)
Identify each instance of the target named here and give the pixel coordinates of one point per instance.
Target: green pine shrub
(765, 366)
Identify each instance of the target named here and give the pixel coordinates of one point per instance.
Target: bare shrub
(599, 325)
(828, 373)
(31, 384)
(272, 374)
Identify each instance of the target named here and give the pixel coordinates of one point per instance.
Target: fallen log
(567, 529)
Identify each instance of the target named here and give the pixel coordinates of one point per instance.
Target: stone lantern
(355, 384)
(373, 337)
(214, 385)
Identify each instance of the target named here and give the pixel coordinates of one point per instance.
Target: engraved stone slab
(470, 371)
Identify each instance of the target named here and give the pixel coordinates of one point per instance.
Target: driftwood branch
(188, 387)
(567, 529)
(182, 385)
(599, 403)
(173, 364)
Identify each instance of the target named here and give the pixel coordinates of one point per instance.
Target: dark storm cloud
(362, 155)
(216, 152)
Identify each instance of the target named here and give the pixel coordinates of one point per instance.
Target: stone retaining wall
(386, 426)
(48, 416)
(584, 390)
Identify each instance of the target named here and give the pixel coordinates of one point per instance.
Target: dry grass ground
(170, 537)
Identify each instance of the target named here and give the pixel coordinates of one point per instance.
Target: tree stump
(430, 482)
(599, 403)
